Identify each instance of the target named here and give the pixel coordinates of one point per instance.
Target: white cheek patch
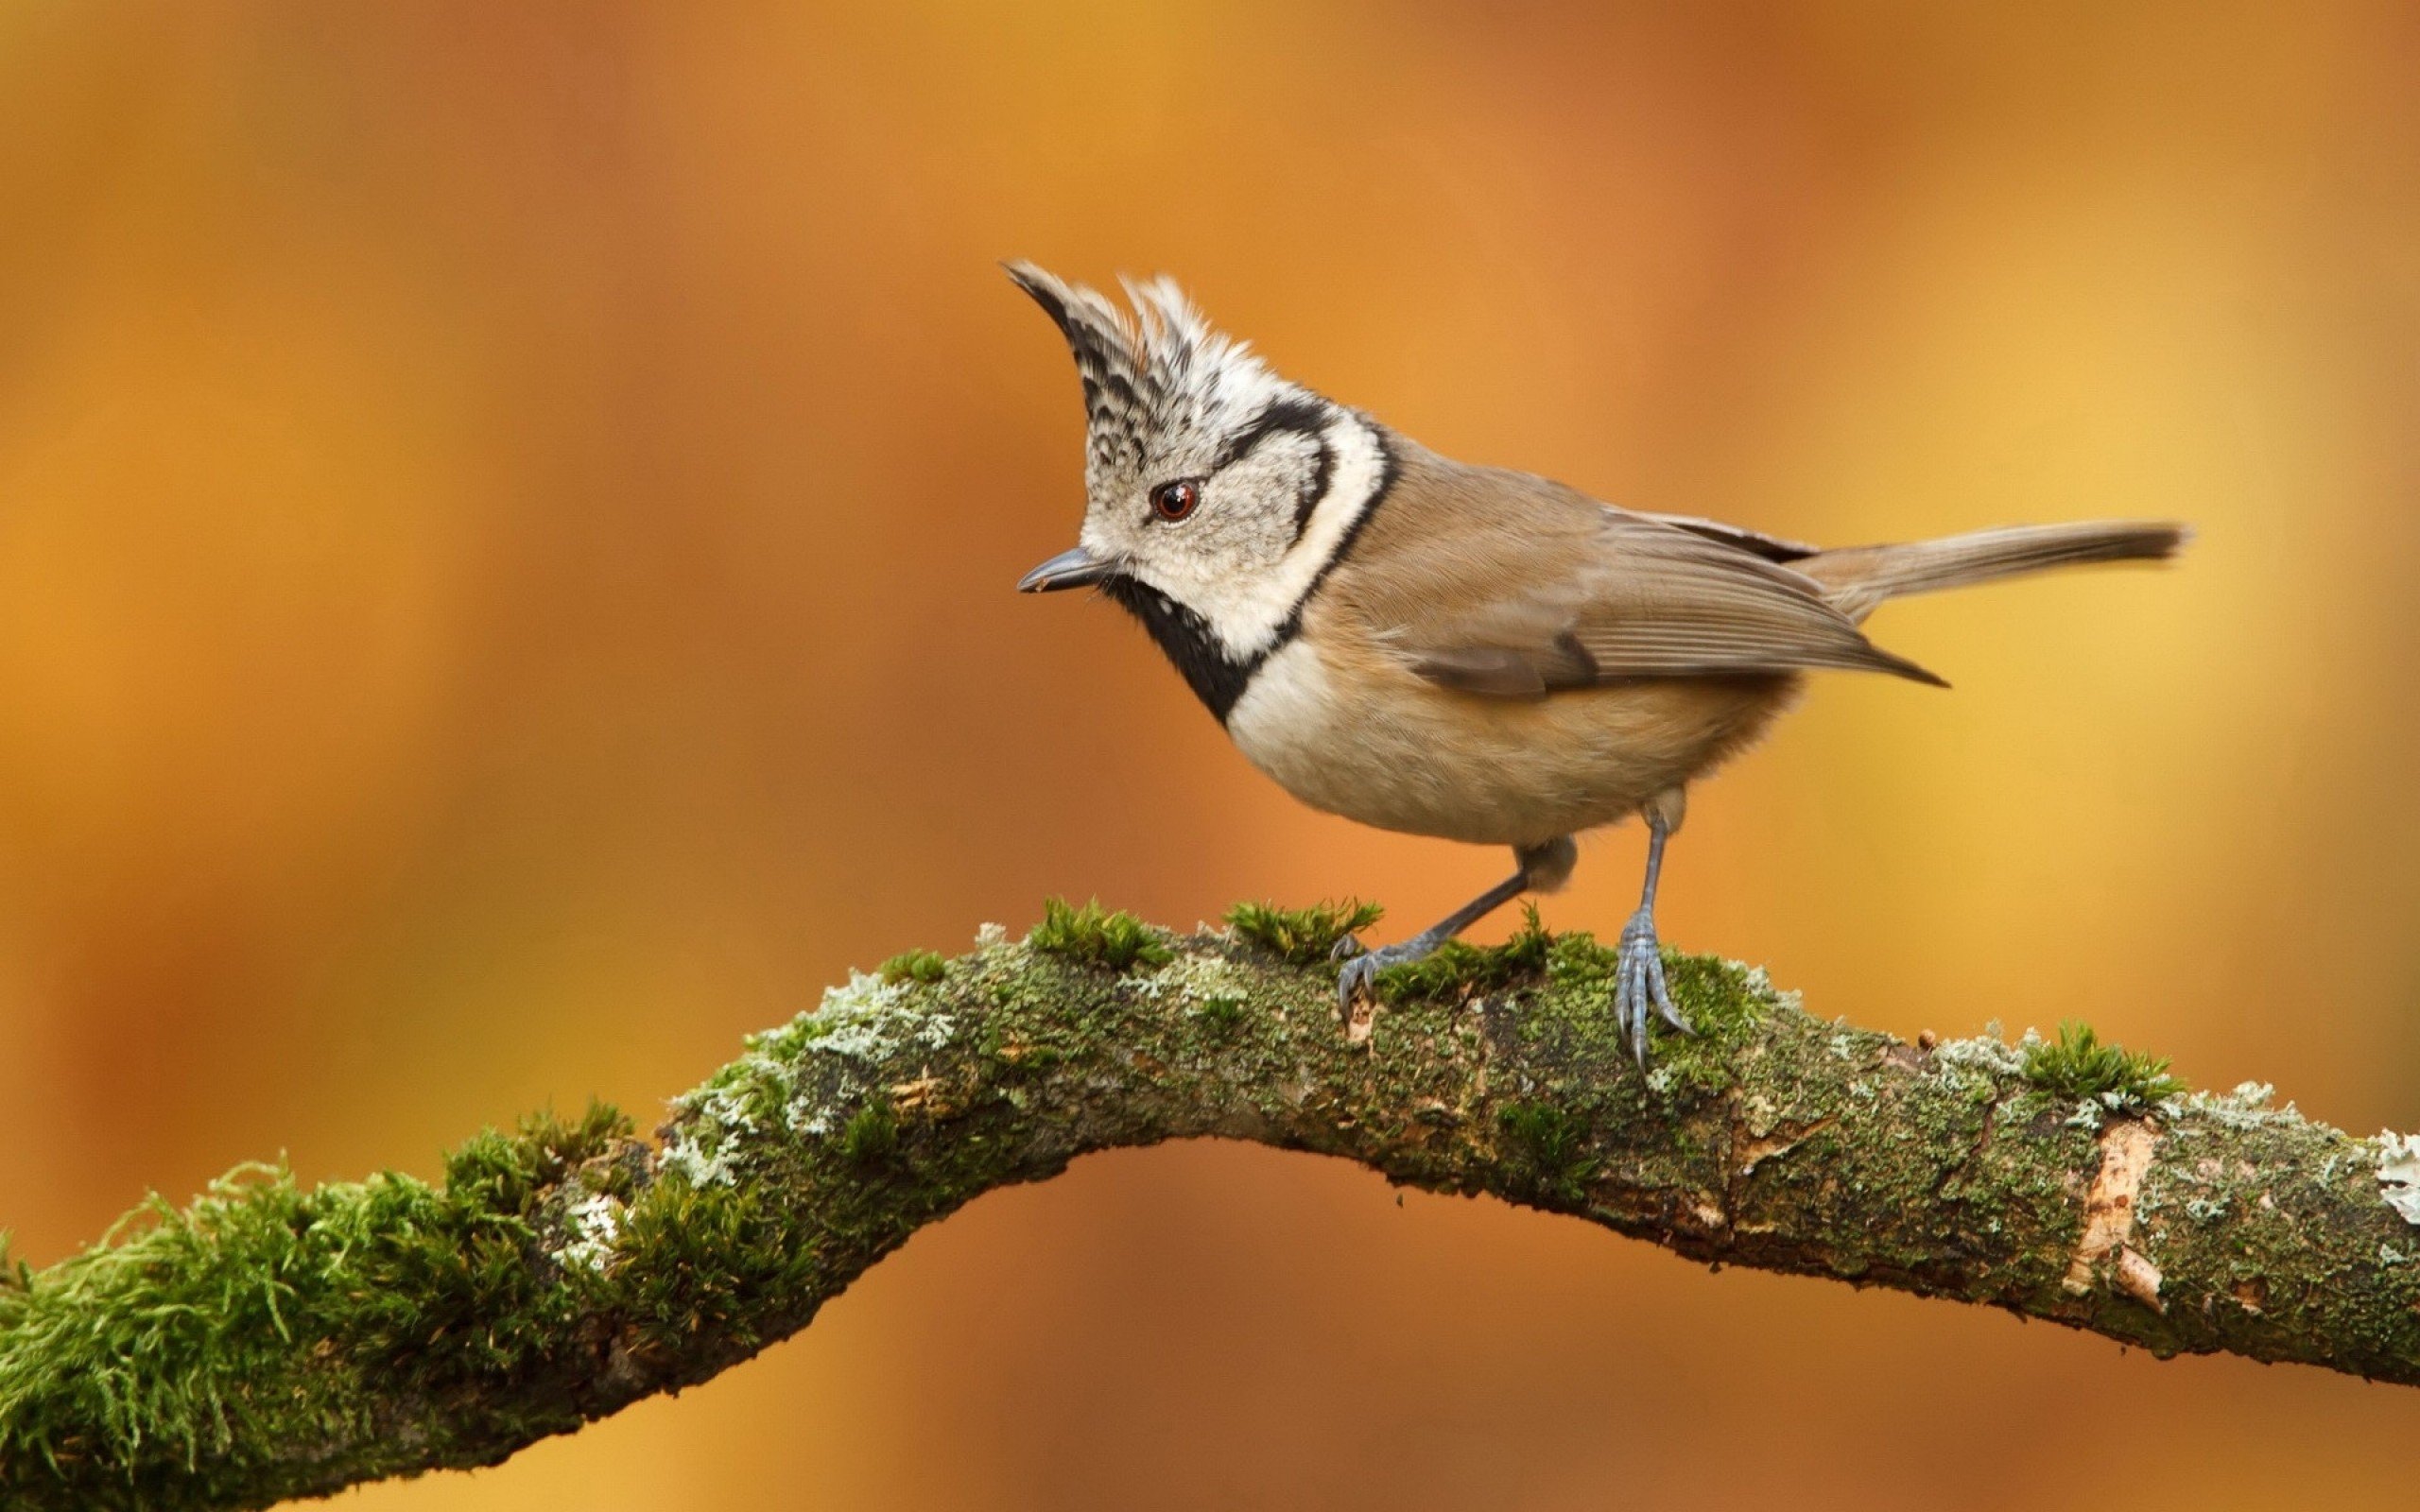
(1247, 613)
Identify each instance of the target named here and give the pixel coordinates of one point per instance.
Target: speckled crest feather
(1155, 377)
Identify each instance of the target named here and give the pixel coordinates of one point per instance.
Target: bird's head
(1216, 491)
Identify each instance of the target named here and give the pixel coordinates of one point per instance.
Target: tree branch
(268, 1342)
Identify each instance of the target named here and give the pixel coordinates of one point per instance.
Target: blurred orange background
(507, 516)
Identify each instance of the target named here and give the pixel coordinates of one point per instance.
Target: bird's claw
(1358, 975)
(1359, 972)
(1639, 985)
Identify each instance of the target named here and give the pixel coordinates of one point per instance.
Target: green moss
(169, 1349)
(1221, 1015)
(506, 1173)
(1302, 937)
(1555, 1141)
(2077, 1065)
(1101, 937)
(1726, 1005)
(872, 1134)
(706, 1260)
(1457, 968)
(927, 966)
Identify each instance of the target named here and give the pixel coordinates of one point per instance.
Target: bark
(269, 1342)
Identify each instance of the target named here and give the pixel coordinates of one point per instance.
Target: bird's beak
(1077, 568)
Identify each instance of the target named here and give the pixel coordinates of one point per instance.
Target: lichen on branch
(269, 1341)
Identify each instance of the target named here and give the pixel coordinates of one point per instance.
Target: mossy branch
(269, 1342)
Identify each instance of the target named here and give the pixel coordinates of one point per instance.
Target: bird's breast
(1352, 732)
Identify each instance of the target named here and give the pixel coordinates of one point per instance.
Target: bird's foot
(1362, 965)
(1639, 984)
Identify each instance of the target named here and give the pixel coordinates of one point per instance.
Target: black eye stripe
(1306, 416)
(1314, 488)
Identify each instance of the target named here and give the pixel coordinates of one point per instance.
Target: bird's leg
(1543, 868)
(1638, 970)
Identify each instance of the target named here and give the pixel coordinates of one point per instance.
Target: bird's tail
(1856, 579)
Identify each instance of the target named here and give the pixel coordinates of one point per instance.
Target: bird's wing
(1771, 548)
(1611, 596)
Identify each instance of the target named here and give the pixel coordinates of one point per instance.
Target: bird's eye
(1174, 500)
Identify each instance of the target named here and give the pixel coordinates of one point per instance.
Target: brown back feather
(1506, 584)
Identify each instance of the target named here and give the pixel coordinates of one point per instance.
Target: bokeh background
(507, 516)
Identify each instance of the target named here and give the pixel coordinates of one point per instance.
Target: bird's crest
(1152, 377)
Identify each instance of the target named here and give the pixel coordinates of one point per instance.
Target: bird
(1466, 652)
